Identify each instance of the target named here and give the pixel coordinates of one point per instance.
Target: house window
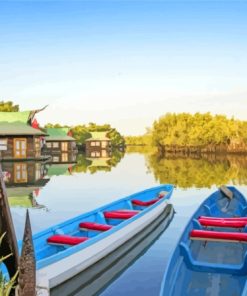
(103, 153)
(55, 158)
(55, 145)
(64, 157)
(37, 143)
(37, 171)
(20, 172)
(104, 144)
(97, 143)
(93, 144)
(48, 145)
(64, 146)
(20, 148)
(95, 154)
(37, 147)
(3, 144)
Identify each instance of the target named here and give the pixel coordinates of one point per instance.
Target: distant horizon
(125, 63)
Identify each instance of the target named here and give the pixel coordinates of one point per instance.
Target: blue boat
(65, 250)
(97, 277)
(210, 258)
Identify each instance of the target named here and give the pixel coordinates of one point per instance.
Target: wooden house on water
(20, 136)
(60, 145)
(98, 146)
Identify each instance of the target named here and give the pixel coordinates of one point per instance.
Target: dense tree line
(205, 131)
(195, 132)
(186, 129)
(8, 107)
(83, 132)
(144, 140)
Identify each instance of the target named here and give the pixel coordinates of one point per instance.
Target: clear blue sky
(124, 62)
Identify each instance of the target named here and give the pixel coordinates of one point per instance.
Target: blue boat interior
(66, 238)
(215, 264)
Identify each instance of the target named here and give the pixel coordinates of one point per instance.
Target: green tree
(186, 131)
(8, 107)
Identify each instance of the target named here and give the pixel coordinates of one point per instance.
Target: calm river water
(60, 191)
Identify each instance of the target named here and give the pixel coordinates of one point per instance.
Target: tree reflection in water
(201, 172)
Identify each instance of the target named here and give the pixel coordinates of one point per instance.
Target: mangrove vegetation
(186, 133)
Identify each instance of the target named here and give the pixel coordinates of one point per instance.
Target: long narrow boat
(210, 257)
(67, 249)
(97, 277)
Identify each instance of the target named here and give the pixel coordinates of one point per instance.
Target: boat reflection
(96, 278)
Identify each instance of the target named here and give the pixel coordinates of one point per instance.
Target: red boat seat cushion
(95, 226)
(119, 214)
(66, 240)
(223, 218)
(222, 223)
(138, 202)
(221, 236)
(127, 211)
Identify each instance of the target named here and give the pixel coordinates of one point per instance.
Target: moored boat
(65, 250)
(96, 278)
(210, 257)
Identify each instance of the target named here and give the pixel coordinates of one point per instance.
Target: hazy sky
(124, 62)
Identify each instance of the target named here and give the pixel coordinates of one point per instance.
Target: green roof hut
(20, 136)
(60, 145)
(98, 146)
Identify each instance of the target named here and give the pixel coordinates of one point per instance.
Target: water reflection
(187, 172)
(92, 163)
(24, 181)
(199, 172)
(59, 169)
(71, 189)
(63, 157)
